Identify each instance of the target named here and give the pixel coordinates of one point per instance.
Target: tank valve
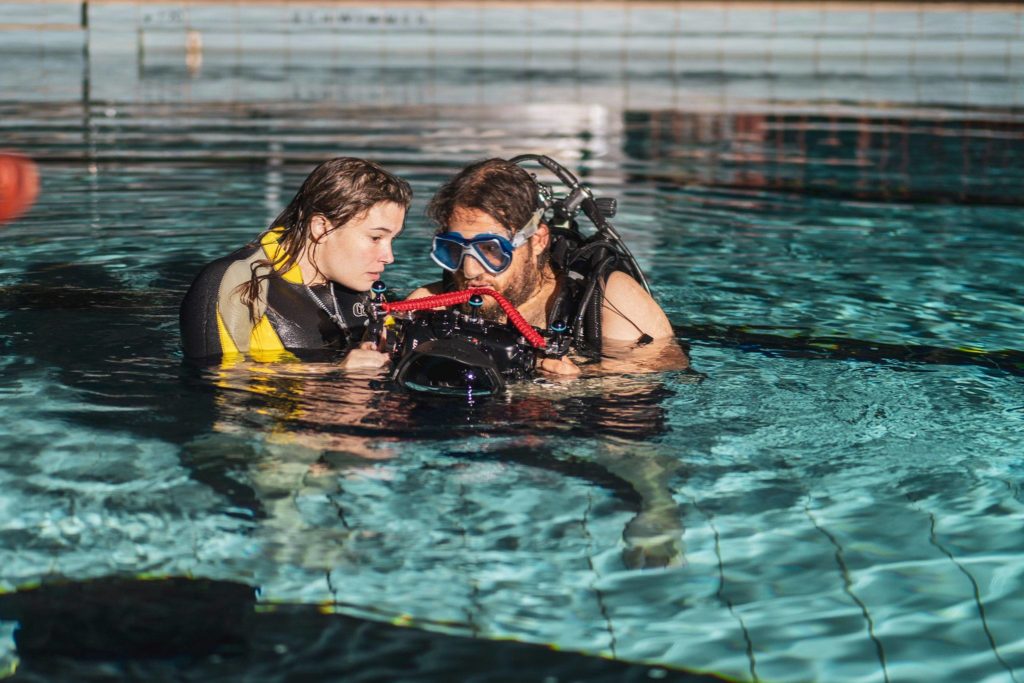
(558, 342)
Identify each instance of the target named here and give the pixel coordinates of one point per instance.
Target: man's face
(517, 283)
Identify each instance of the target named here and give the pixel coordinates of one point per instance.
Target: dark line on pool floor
(934, 540)
(330, 585)
(720, 593)
(474, 584)
(806, 346)
(848, 588)
(610, 627)
(175, 628)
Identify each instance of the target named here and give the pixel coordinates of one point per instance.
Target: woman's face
(355, 254)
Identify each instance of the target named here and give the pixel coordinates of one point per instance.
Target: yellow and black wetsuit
(215, 323)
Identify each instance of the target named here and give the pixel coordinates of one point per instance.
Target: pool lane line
(976, 591)
(602, 605)
(844, 571)
(801, 345)
(721, 594)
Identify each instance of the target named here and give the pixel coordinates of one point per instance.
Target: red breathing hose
(454, 298)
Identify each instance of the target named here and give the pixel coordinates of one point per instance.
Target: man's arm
(623, 296)
(628, 314)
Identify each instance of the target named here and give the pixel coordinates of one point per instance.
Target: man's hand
(558, 366)
(364, 357)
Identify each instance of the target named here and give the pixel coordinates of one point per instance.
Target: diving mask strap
(528, 230)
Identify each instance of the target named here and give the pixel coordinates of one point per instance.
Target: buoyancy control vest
(288, 322)
(585, 264)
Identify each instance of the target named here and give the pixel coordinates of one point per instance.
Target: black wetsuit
(215, 323)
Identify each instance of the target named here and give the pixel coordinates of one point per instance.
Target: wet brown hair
(497, 187)
(340, 190)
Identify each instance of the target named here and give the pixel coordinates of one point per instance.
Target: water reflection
(319, 427)
(910, 156)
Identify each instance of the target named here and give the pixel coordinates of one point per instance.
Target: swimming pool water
(843, 486)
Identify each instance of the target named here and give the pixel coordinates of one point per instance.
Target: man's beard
(517, 291)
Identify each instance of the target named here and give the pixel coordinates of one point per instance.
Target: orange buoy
(19, 185)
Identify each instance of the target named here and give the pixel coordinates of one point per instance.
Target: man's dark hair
(497, 187)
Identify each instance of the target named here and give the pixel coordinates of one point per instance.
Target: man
(491, 235)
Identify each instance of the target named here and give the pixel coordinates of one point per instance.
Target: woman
(301, 286)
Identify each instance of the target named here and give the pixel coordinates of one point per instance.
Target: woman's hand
(364, 357)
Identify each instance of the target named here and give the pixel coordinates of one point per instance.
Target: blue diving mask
(492, 251)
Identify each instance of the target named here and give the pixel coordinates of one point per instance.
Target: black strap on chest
(352, 306)
(302, 324)
(584, 265)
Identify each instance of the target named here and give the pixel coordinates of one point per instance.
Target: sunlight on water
(835, 497)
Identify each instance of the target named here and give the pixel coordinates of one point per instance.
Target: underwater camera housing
(447, 351)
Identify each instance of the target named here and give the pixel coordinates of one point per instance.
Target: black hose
(590, 210)
(593, 321)
(588, 318)
(563, 174)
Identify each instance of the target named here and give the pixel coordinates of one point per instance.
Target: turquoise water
(841, 493)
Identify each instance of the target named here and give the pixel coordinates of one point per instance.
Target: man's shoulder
(629, 309)
(624, 284)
